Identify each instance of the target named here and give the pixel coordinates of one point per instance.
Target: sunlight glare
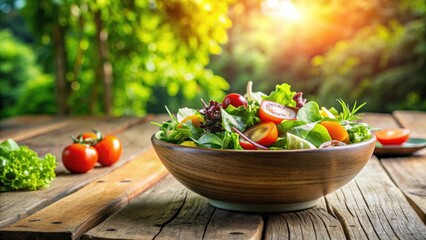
(281, 8)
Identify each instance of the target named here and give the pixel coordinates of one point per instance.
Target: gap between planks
(135, 139)
(170, 211)
(75, 214)
(407, 172)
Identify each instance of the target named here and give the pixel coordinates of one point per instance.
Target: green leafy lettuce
(22, 169)
(306, 127)
(282, 95)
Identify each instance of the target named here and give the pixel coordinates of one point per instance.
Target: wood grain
(133, 134)
(22, 127)
(75, 214)
(263, 176)
(380, 120)
(315, 223)
(372, 207)
(409, 173)
(170, 211)
(414, 120)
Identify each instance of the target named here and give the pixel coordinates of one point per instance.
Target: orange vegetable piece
(336, 131)
(195, 119)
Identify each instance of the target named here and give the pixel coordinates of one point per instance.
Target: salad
(280, 120)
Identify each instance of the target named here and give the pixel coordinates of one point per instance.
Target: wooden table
(137, 198)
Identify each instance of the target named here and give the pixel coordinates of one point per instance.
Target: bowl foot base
(243, 207)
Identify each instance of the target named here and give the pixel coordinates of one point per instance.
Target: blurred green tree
(380, 44)
(134, 57)
(124, 57)
(385, 66)
(18, 71)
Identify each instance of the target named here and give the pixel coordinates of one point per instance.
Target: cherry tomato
(235, 100)
(89, 137)
(109, 150)
(264, 133)
(109, 147)
(395, 136)
(79, 158)
(275, 112)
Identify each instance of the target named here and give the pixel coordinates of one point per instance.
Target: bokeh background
(129, 57)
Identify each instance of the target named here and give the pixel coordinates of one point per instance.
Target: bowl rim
(371, 140)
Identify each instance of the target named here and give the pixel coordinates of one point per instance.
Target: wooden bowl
(264, 180)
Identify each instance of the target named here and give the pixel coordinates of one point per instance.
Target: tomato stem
(249, 140)
(99, 135)
(74, 139)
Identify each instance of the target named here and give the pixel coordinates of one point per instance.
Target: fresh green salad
(22, 169)
(282, 119)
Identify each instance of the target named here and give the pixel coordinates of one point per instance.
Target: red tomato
(235, 100)
(89, 137)
(79, 158)
(264, 133)
(275, 112)
(392, 136)
(109, 150)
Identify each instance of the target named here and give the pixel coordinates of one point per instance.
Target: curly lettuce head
(22, 169)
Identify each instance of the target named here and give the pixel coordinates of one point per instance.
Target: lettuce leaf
(22, 169)
(282, 95)
(309, 113)
(358, 132)
(312, 132)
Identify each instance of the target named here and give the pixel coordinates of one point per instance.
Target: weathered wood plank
(75, 214)
(19, 128)
(409, 173)
(380, 120)
(315, 223)
(135, 138)
(414, 120)
(372, 207)
(319, 223)
(170, 211)
(232, 225)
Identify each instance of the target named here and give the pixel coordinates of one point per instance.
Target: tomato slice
(395, 136)
(264, 133)
(275, 112)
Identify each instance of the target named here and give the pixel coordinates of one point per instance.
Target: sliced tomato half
(395, 136)
(264, 133)
(275, 112)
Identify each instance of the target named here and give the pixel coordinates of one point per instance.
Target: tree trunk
(62, 88)
(104, 68)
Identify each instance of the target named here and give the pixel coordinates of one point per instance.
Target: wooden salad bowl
(264, 180)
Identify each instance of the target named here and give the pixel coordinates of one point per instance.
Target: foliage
(174, 52)
(18, 74)
(37, 96)
(380, 49)
(155, 49)
(384, 66)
